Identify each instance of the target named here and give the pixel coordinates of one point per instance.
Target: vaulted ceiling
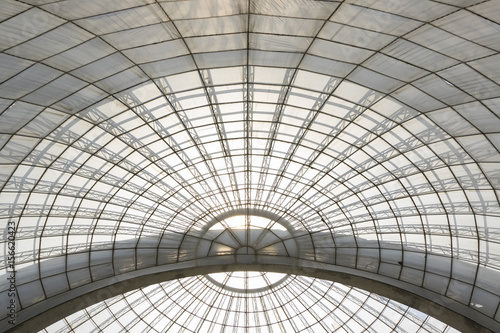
(145, 144)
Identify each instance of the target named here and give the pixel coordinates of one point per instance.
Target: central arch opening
(246, 282)
(247, 236)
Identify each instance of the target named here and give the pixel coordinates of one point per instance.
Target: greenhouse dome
(250, 166)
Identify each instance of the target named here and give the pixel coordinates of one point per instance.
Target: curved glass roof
(301, 304)
(359, 137)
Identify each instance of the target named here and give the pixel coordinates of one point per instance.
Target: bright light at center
(239, 222)
(247, 281)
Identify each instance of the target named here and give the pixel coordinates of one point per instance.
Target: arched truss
(128, 128)
(43, 315)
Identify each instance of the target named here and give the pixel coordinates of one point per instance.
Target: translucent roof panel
(345, 138)
(295, 304)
